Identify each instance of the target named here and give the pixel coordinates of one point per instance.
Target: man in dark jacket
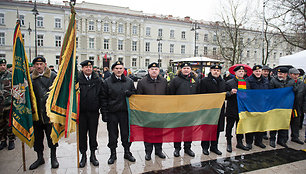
(42, 79)
(90, 102)
(114, 110)
(153, 84)
(185, 83)
(213, 84)
(237, 83)
(106, 73)
(256, 81)
(281, 81)
(297, 111)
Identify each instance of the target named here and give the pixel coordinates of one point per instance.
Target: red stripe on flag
(180, 134)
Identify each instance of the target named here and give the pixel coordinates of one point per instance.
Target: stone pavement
(11, 161)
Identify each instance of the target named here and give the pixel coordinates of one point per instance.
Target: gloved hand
(128, 93)
(104, 117)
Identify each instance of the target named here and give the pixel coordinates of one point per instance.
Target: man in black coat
(90, 102)
(213, 84)
(256, 81)
(153, 84)
(114, 110)
(232, 116)
(185, 83)
(42, 79)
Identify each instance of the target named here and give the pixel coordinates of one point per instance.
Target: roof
(196, 59)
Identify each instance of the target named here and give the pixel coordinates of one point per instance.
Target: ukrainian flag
(264, 109)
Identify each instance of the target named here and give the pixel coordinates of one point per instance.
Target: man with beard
(213, 84)
(90, 102)
(237, 83)
(42, 79)
(115, 112)
(184, 84)
(153, 84)
(256, 81)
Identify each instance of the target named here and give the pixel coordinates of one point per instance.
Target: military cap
(86, 63)
(256, 67)
(302, 72)
(117, 63)
(30, 64)
(9, 65)
(2, 61)
(294, 71)
(185, 64)
(153, 65)
(265, 67)
(216, 67)
(282, 69)
(39, 59)
(95, 66)
(238, 68)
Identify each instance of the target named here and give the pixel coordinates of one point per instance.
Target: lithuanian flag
(264, 109)
(174, 118)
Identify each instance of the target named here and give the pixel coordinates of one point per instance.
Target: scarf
(241, 84)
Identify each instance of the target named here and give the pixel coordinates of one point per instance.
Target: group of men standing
(108, 97)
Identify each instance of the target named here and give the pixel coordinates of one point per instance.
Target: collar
(46, 73)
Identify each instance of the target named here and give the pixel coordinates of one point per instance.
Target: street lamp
(159, 49)
(195, 28)
(35, 13)
(29, 30)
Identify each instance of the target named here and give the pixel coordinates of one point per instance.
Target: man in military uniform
(5, 106)
(232, 85)
(115, 112)
(42, 79)
(185, 83)
(153, 84)
(90, 102)
(213, 84)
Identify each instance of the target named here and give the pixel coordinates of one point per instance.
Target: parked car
(140, 73)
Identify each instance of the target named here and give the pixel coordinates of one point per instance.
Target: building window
(134, 60)
(248, 54)
(106, 44)
(40, 21)
(91, 25)
(215, 38)
(134, 30)
(120, 28)
(249, 41)
(148, 31)
(2, 38)
(255, 54)
(1, 19)
(58, 41)
(197, 36)
(214, 51)
(206, 37)
(58, 23)
(106, 27)
(147, 61)
(183, 35)
(171, 33)
(134, 45)
(147, 46)
(21, 17)
(76, 42)
(91, 42)
(57, 60)
(241, 40)
(196, 50)
(280, 54)
(120, 44)
(76, 24)
(160, 62)
(160, 47)
(171, 48)
(183, 47)
(2, 56)
(23, 38)
(120, 59)
(40, 40)
(92, 58)
(160, 32)
(274, 55)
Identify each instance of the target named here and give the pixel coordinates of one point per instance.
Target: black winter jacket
(258, 83)
(152, 87)
(184, 85)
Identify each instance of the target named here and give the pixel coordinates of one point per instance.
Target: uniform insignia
(89, 63)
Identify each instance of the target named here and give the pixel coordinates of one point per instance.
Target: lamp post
(195, 28)
(159, 49)
(35, 13)
(30, 30)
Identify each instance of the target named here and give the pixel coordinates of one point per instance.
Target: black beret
(185, 64)
(2, 61)
(153, 65)
(216, 67)
(117, 63)
(282, 69)
(256, 67)
(86, 63)
(239, 68)
(39, 59)
(265, 67)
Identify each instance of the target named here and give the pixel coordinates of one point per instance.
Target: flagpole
(23, 157)
(78, 154)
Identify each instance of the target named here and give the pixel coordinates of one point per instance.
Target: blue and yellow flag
(264, 109)
(24, 108)
(63, 101)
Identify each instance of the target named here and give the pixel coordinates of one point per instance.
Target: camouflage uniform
(5, 105)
